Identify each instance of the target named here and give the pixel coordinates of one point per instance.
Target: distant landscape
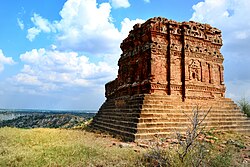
(7, 114)
(30, 118)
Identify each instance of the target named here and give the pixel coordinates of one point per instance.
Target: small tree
(244, 106)
(190, 151)
(188, 143)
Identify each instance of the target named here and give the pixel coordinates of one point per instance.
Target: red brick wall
(163, 56)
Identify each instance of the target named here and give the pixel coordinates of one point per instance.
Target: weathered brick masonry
(167, 68)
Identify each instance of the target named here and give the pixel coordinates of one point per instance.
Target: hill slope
(60, 147)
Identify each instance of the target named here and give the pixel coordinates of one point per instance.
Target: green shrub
(223, 159)
(244, 106)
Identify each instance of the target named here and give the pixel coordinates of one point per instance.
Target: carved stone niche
(194, 70)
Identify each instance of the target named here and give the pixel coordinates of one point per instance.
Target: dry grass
(61, 147)
(57, 147)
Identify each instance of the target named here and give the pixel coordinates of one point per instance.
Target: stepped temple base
(144, 116)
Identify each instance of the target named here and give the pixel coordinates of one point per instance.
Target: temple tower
(165, 69)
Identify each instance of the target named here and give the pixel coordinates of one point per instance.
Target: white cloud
(128, 24)
(120, 3)
(85, 26)
(27, 79)
(53, 47)
(32, 33)
(147, 1)
(49, 70)
(42, 24)
(5, 60)
(231, 16)
(20, 23)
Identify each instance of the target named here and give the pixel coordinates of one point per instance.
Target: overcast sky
(58, 54)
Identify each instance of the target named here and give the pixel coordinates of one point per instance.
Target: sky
(58, 54)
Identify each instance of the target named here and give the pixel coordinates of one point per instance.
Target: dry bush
(191, 148)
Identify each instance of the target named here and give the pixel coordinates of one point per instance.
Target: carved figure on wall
(195, 70)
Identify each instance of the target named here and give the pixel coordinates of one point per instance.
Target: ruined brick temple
(166, 69)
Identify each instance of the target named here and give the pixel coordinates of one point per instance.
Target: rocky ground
(220, 142)
(45, 121)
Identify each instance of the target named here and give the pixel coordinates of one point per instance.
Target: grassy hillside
(67, 147)
(60, 147)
